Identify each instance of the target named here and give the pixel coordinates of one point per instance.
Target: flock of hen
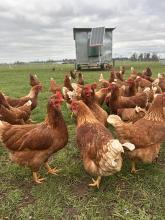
(137, 115)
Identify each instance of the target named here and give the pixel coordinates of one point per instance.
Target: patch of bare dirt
(80, 189)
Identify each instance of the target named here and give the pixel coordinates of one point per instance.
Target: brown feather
(32, 145)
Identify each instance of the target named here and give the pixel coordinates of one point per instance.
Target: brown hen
(33, 96)
(13, 115)
(88, 97)
(32, 145)
(100, 152)
(34, 80)
(146, 134)
(116, 101)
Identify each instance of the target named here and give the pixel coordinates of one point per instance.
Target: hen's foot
(53, 171)
(37, 179)
(96, 183)
(134, 171)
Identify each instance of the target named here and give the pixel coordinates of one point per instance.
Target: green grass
(67, 196)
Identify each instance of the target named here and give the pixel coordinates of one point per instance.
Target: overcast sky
(42, 29)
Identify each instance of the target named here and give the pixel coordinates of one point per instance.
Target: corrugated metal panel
(106, 49)
(97, 36)
(81, 40)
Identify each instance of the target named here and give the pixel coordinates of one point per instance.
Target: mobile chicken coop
(93, 47)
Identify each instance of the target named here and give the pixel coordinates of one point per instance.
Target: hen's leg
(156, 159)
(96, 182)
(36, 178)
(53, 171)
(134, 170)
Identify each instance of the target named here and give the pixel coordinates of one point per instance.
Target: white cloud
(42, 29)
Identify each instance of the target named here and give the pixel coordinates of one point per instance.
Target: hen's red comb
(59, 94)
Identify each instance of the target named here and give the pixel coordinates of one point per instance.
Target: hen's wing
(142, 133)
(17, 102)
(91, 137)
(34, 137)
(101, 153)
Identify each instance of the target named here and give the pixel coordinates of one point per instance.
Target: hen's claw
(53, 171)
(40, 180)
(134, 171)
(96, 182)
(37, 179)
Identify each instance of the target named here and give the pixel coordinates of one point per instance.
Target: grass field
(67, 196)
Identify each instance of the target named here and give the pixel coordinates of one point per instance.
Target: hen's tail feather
(129, 146)
(115, 144)
(114, 119)
(28, 103)
(160, 75)
(64, 90)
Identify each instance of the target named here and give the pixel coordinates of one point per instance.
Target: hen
(102, 82)
(161, 83)
(147, 73)
(133, 74)
(116, 101)
(131, 114)
(119, 76)
(146, 133)
(101, 94)
(101, 154)
(73, 74)
(34, 80)
(112, 77)
(80, 80)
(122, 70)
(32, 145)
(88, 96)
(13, 115)
(33, 95)
(130, 90)
(54, 87)
(67, 83)
(68, 96)
(142, 83)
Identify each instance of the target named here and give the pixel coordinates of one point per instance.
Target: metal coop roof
(87, 30)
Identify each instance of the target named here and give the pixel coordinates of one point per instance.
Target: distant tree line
(144, 57)
(65, 61)
(134, 57)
